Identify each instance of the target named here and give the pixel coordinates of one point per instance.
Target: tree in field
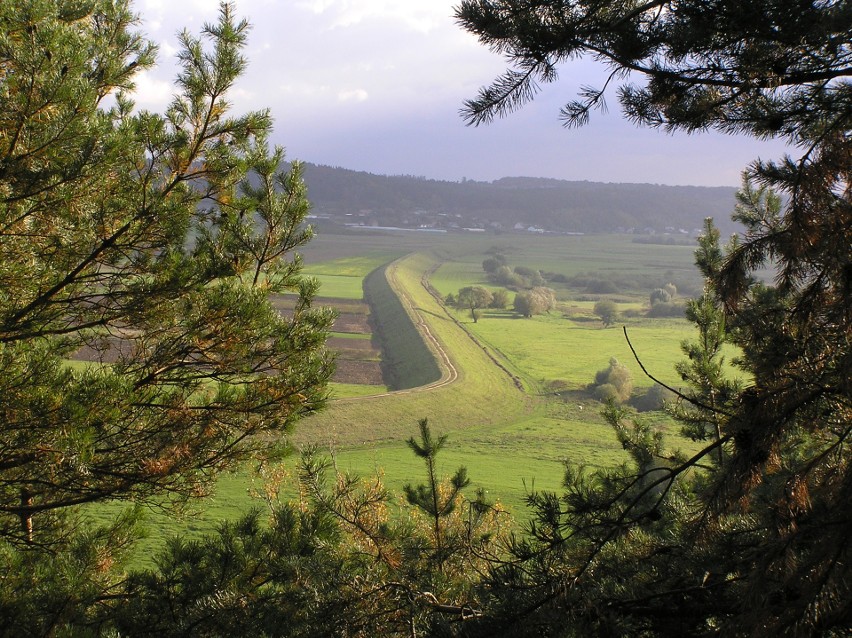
(750, 535)
(613, 383)
(607, 311)
(499, 299)
(535, 302)
(474, 298)
(148, 245)
(491, 264)
(505, 276)
(659, 295)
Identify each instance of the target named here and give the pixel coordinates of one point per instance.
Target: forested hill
(549, 204)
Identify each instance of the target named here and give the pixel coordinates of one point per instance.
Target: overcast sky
(376, 85)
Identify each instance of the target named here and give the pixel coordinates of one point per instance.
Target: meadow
(493, 390)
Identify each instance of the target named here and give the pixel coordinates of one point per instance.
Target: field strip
(471, 391)
(486, 349)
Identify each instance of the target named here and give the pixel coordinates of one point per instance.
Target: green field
(510, 439)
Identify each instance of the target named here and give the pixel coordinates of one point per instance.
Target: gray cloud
(376, 85)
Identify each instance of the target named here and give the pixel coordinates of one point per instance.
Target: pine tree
(750, 535)
(147, 245)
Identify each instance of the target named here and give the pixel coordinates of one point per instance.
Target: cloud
(356, 95)
(377, 84)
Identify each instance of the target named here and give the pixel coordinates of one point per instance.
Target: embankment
(407, 362)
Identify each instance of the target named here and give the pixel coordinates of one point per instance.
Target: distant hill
(549, 204)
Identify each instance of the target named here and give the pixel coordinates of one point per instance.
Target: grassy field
(510, 439)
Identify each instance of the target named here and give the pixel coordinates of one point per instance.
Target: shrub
(667, 309)
(607, 311)
(652, 399)
(505, 277)
(523, 271)
(499, 299)
(491, 264)
(607, 392)
(602, 287)
(659, 295)
(535, 302)
(614, 382)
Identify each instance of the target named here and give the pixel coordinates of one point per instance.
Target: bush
(499, 299)
(523, 271)
(491, 265)
(607, 311)
(652, 399)
(505, 277)
(659, 295)
(614, 382)
(607, 392)
(535, 302)
(667, 309)
(601, 287)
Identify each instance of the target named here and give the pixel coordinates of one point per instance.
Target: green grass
(349, 390)
(339, 286)
(352, 335)
(549, 347)
(483, 395)
(509, 440)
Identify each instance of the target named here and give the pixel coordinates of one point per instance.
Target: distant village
(442, 222)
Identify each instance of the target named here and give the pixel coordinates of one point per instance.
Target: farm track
(424, 280)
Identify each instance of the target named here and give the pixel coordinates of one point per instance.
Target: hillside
(504, 204)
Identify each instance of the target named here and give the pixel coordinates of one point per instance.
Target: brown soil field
(357, 359)
(342, 343)
(361, 372)
(349, 322)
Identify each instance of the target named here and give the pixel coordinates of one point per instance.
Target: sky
(377, 85)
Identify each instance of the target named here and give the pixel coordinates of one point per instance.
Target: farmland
(511, 392)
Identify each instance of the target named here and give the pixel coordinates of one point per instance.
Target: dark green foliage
(407, 361)
(750, 535)
(491, 264)
(653, 399)
(337, 563)
(759, 68)
(148, 245)
(436, 503)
